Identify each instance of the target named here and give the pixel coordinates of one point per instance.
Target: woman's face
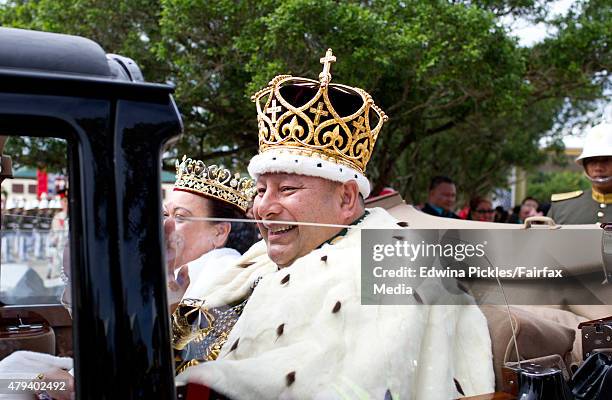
(187, 239)
(528, 209)
(484, 212)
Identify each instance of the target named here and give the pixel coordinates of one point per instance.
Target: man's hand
(58, 374)
(177, 287)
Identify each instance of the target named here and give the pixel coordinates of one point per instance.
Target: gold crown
(213, 181)
(316, 127)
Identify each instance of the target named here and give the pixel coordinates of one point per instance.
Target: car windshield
(34, 226)
(34, 243)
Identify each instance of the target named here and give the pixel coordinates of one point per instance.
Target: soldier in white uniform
(593, 205)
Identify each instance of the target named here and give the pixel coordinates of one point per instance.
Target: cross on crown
(325, 76)
(318, 112)
(273, 109)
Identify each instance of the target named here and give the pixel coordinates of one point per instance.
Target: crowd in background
(33, 230)
(442, 202)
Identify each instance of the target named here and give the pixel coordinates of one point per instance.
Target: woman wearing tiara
(198, 250)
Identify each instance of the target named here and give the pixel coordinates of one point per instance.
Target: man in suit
(442, 197)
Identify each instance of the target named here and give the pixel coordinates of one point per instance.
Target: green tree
(38, 152)
(464, 99)
(542, 185)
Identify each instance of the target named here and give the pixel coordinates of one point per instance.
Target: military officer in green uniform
(593, 205)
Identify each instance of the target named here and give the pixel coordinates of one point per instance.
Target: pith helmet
(598, 142)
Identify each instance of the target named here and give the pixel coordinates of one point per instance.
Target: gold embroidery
(205, 339)
(186, 322)
(188, 364)
(603, 198)
(205, 342)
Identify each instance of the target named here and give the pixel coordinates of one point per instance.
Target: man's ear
(350, 196)
(222, 231)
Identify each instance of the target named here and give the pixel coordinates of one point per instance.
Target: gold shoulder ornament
(566, 196)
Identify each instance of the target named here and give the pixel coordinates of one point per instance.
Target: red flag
(41, 179)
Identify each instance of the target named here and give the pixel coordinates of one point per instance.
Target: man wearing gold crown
(299, 330)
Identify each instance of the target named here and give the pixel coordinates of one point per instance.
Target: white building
(24, 186)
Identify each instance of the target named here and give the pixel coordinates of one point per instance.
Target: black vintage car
(115, 125)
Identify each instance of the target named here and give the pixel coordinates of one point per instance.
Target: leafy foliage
(38, 152)
(464, 99)
(542, 185)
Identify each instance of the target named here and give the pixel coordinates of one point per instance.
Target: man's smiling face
(290, 197)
